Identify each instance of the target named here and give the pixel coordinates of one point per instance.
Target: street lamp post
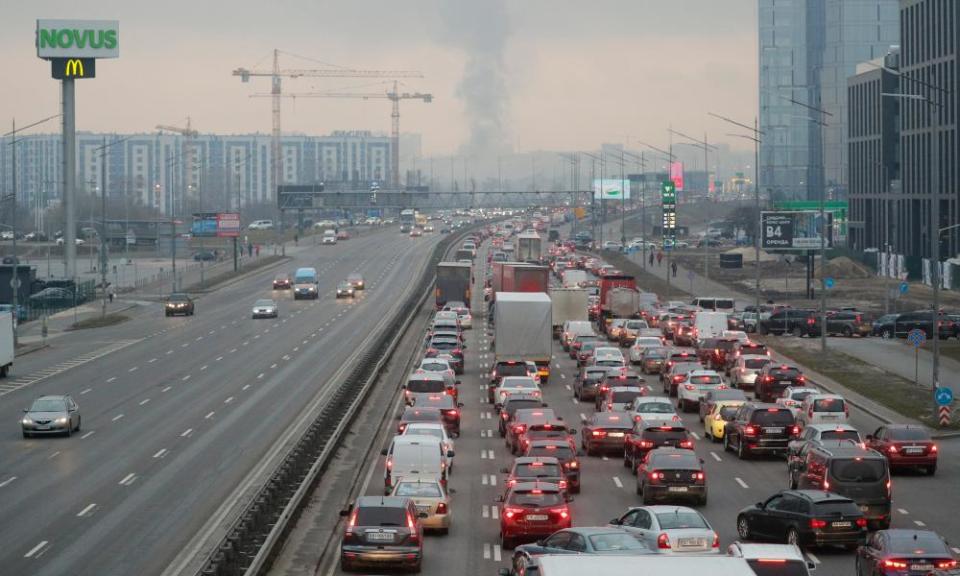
(706, 193)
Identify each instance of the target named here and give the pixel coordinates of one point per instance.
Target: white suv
(261, 225)
(693, 387)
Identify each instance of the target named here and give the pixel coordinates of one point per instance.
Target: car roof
(532, 459)
(756, 551)
(52, 397)
(818, 495)
(426, 374)
(832, 427)
(382, 502)
(664, 508)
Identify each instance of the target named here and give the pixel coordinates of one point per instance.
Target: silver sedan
(265, 308)
(51, 415)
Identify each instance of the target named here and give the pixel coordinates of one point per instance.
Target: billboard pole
(69, 145)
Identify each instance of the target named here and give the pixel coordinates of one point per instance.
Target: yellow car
(431, 499)
(716, 420)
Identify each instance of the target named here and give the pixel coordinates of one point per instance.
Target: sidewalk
(60, 323)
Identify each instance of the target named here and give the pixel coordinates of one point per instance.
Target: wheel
(847, 332)
(77, 429)
(743, 528)
(726, 443)
(626, 461)
(793, 537)
(69, 432)
(931, 470)
(741, 453)
(791, 480)
(798, 332)
(506, 543)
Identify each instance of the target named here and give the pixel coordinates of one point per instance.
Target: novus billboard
(78, 38)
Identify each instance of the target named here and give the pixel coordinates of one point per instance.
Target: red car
(531, 511)
(521, 420)
(905, 446)
(552, 430)
(282, 282)
(565, 452)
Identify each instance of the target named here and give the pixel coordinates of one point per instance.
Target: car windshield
(665, 434)
(785, 373)
(840, 435)
(686, 459)
(264, 303)
(755, 363)
(801, 396)
(434, 366)
(627, 380)
(836, 507)
(636, 324)
(684, 367)
(909, 542)
(511, 369)
(422, 416)
(647, 342)
(537, 470)
(535, 499)
(48, 405)
(523, 383)
(425, 385)
(425, 431)
(513, 405)
(828, 405)
(179, 298)
(728, 413)
(858, 470)
(705, 380)
(624, 396)
(777, 567)
(612, 419)
(680, 519)
(418, 489)
(381, 516)
(654, 408)
(655, 353)
(614, 541)
(563, 452)
(901, 434)
(773, 417)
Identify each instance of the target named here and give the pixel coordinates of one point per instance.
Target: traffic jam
(556, 410)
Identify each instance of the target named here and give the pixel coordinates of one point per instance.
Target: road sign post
(916, 337)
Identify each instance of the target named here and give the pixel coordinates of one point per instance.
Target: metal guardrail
(255, 538)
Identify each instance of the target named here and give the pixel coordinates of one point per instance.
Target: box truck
(568, 304)
(523, 329)
(453, 283)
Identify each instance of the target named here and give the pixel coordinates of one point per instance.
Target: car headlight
(61, 420)
(26, 420)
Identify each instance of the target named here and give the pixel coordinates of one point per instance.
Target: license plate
(616, 434)
(689, 542)
(427, 509)
(380, 536)
(677, 489)
(772, 430)
(914, 451)
(42, 428)
(842, 524)
(864, 509)
(537, 517)
(786, 382)
(921, 567)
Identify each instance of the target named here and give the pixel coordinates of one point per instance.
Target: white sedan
(694, 385)
(515, 385)
(439, 366)
(792, 397)
(653, 408)
(744, 372)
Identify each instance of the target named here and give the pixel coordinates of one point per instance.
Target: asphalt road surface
(608, 488)
(177, 411)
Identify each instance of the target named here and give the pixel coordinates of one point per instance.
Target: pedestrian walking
(651, 258)
(257, 247)
(659, 258)
(249, 248)
(673, 268)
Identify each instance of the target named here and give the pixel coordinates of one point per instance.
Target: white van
(710, 324)
(715, 304)
(823, 409)
(574, 328)
(414, 455)
(261, 225)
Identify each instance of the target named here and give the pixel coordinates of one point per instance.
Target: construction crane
(189, 135)
(276, 73)
(395, 96)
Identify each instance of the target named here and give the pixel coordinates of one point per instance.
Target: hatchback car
(647, 435)
(414, 414)
(512, 405)
(532, 510)
(653, 359)
(519, 422)
(510, 385)
(618, 398)
(743, 373)
(804, 518)
(773, 378)
(605, 432)
(265, 308)
(587, 383)
(721, 413)
(760, 429)
(711, 397)
(382, 531)
(345, 290)
(562, 450)
(178, 303)
(579, 540)
(653, 408)
(792, 396)
(675, 373)
(448, 406)
(695, 384)
(671, 474)
(670, 529)
(823, 409)
(535, 469)
(51, 415)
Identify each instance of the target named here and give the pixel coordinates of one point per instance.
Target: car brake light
(897, 564)
(690, 387)
(801, 379)
(442, 508)
(646, 443)
(563, 484)
(410, 522)
(749, 431)
(600, 433)
(353, 520)
(794, 430)
(700, 477)
(817, 524)
(861, 522)
(654, 476)
(933, 447)
(678, 378)
(453, 412)
(826, 484)
(509, 513)
(564, 514)
(686, 444)
(892, 449)
(663, 542)
(519, 428)
(716, 540)
(947, 564)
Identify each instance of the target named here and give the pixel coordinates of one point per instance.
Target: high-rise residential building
(808, 49)
(856, 31)
(930, 68)
(218, 172)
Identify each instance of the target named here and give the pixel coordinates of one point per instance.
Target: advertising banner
(608, 189)
(78, 38)
(228, 225)
(676, 175)
(794, 230)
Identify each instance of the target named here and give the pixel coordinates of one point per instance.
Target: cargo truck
(574, 278)
(520, 277)
(529, 247)
(523, 330)
(607, 284)
(569, 304)
(624, 303)
(6, 343)
(453, 283)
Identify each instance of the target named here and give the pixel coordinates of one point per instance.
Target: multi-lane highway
(177, 412)
(608, 488)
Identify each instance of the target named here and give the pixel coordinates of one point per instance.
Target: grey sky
(531, 74)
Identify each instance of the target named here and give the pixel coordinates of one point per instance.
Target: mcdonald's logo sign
(73, 68)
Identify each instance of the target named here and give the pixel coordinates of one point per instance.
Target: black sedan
(904, 552)
(178, 303)
(804, 518)
(671, 474)
(584, 540)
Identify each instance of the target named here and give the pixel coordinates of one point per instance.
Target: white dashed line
(128, 479)
(35, 549)
(84, 512)
(111, 379)
(486, 511)
(245, 386)
(741, 482)
(54, 455)
(117, 417)
(567, 386)
(199, 338)
(496, 553)
(209, 415)
(902, 511)
(204, 367)
(88, 390)
(486, 550)
(151, 361)
(228, 400)
(134, 369)
(144, 401)
(160, 453)
(167, 389)
(617, 481)
(232, 350)
(716, 457)
(219, 358)
(956, 550)
(185, 378)
(169, 352)
(184, 345)
(186, 432)
(695, 435)
(919, 523)
(260, 375)
(272, 366)
(87, 435)
(575, 401)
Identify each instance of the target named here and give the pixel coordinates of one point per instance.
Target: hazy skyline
(520, 76)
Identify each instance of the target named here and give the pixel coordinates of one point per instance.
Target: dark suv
(804, 518)
(512, 404)
(382, 531)
(923, 320)
(760, 428)
(773, 378)
(848, 469)
(647, 435)
(798, 322)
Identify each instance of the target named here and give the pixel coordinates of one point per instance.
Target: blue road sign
(904, 287)
(917, 337)
(828, 282)
(944, 396)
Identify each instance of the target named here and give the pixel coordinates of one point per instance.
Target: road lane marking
(483, 480)
(117, 417)
(186, 432)
(617, 481)
(204, 367)
(716, 457)
(184, 345)
(144, 401)
(583, 416)
(245, 386)
(919, 523)
(486, 511)
(128, 479)
(185, 378)
(111, 379)
(87, 435)
(35, 549)
(151, 361)
(199, 338)
(160, 453)
(167, 389)
(260, 375)
(296, 348)
(83, 512)
(54, 455)
(486, 550)
(575, 401)
(209, 415)
(493, 479)
(741, 482)
(134, 369)
(232, 350)
(169, 352)
(605, 458)
(694, 434)
(494, 512)
(956, 550)
(86, 391)
(496, 553)
(272, 366)
(219, 358)
(567, 386)
(228, 400)
(902, 511)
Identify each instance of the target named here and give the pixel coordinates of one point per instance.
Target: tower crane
(276, 73)
(189, 135)
(395, 96)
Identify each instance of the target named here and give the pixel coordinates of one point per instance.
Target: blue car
(582, 540)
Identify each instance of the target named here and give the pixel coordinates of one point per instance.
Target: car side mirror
(499, 499)
(760, 505)
(450, 454)
(811, 565)
(25, 410)
(383, 452)
(504, 470)
(459, 404)
(616, 522)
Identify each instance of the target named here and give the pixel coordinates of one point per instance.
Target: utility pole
(103, 226)
(705, 145)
